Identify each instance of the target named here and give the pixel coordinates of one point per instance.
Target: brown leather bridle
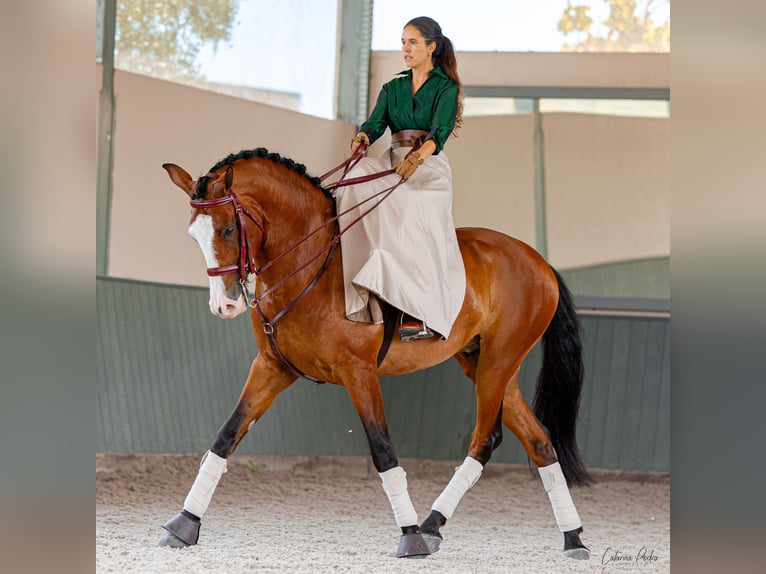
(246, 264)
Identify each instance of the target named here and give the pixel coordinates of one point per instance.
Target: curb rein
(246, 265)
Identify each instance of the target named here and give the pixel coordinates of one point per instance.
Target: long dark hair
(443, 56)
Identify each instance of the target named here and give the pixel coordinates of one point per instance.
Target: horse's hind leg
(430, 528)
(536, 442)
(490, 383)
(264, 383)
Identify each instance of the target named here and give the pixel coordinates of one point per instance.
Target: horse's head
(215, 227)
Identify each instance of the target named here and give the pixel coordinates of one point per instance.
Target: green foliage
(252, 467)
(625, 30)
(162, 38)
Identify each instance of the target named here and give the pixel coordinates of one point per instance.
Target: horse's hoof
(577, 553)
(170, 539)
(184, 527)
(412, 546)
(433, 542)
(573, 546)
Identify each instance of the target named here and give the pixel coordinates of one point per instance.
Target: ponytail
(443, 56)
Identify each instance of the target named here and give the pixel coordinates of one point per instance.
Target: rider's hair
(443, 56)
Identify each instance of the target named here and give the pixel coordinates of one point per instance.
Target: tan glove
(408, 165)
(360, 138)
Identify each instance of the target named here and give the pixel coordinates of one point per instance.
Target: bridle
(246, 264)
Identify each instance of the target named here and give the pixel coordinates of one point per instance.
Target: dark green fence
(169, 373)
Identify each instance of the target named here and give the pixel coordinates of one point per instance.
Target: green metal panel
(169, 373)
(648, 278)
(354, 60)
(624, 419)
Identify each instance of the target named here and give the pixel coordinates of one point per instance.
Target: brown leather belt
(408, 138)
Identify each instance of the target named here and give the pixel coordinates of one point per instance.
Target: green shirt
(433, 108)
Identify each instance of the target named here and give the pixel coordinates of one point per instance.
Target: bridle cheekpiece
(246, 264)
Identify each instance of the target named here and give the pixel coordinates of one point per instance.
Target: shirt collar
(437, 70)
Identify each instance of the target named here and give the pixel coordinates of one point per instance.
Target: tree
(163, 38)
(626, 29)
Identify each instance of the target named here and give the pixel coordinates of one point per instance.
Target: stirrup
(414, 330)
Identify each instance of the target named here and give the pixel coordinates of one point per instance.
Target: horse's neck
(296, 232)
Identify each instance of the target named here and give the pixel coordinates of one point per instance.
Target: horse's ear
(179, 176)
(229, 176)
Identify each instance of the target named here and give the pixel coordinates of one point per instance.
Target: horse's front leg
(368, 400)
(266, 380)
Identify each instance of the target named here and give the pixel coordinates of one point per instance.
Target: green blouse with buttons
(432, 108)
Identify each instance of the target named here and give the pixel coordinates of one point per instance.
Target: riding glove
(360, 138)
(408, 165)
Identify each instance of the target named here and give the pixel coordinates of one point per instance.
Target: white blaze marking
(202, 231)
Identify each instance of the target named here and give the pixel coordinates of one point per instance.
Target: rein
(246, 265)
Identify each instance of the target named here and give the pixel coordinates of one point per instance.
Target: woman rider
(405, 252)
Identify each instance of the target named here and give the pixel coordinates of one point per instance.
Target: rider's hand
(408, 165)
(359, 139)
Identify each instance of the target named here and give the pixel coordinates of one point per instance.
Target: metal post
(354, 60)
(105, 139)
(541, 227)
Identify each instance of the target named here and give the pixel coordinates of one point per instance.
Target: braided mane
(261, 152)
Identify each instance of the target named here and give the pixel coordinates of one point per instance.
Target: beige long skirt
(405, 251)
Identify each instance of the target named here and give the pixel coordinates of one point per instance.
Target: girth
(408, 138)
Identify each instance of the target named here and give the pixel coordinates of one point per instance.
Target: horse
(256, 212)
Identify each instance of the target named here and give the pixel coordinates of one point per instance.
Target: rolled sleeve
(444, 114)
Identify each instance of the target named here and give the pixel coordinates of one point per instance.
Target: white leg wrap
(395, 485)
(563, 508)
(466, 475)
(210, 470)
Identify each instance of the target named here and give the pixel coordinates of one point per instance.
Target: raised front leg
(265, 381)
(366, 396)
(523, 423)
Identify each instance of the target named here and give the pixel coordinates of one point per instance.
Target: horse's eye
(228, 232)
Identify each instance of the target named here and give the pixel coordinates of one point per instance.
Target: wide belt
(408, 138)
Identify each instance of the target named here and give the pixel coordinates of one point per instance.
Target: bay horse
(256, 212)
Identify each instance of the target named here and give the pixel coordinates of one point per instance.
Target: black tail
(557, 396)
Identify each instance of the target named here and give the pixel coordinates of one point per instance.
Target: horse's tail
(557, 396)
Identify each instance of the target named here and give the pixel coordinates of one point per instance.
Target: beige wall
(542, 70)
(160, 122)
(608, 188)
(607, 177)
(607, 183)
(492, 169)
